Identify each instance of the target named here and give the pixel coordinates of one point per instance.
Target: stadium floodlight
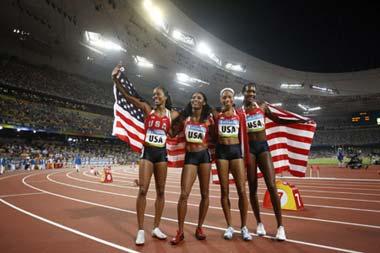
(303, 107)
(291, 86)
(236, 67)
(187, 80)
(277, 104)
(324, 89)
(97, 40)
(216, 59)
(314, 109)
(185, 38)
(203, 48)
(156, 15)
(1, 127)
(143, 62)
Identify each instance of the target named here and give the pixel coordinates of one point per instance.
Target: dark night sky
(317, 36)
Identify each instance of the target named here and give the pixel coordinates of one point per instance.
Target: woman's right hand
(116, 71)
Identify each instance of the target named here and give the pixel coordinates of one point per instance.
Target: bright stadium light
(324, 89)
(187, 80)
(143, 62)
(291, 86)
(216, 59)
(156, 15)
(97, 40)
(239, 97)
(277, 104)
(236, 67)
(1, 127)
(203, 48)
(305, 108)
(314, 109)
(185, 38)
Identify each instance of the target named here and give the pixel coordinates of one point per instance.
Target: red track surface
(61, 211)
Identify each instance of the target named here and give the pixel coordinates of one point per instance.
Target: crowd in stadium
(357, 136)
(17, 154)
(54, 82)
(21, 112)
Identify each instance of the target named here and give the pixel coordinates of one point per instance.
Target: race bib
(255, 123)
(195, 133)
(228, 128)
(156, 138)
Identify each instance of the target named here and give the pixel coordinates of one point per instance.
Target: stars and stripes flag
(129, 127)
(128, 122)
(289, 144)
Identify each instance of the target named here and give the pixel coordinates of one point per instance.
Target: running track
(62, 210)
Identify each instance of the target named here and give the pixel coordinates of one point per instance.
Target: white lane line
(300, 185)
(232, 191)
(186, 222)
(259, 188)
(211, 196)
(74, 231)
(211, 207)
(21, 194)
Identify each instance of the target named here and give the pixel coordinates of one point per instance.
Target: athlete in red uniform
(229, 158)
(254, 113)
(154, 156)
(197, 125)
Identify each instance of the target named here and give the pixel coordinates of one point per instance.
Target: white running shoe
(140, 238)
(260, 230)
(280, 236)
(156, 232)
(229, 233)
(245, 234)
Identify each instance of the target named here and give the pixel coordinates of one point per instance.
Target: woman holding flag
(253, 114)
(197, 123)
(229, 158)
(154, 154)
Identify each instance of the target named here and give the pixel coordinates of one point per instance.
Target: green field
(332, 160)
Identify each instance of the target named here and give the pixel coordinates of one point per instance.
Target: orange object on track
(107, 175)
(289, 195)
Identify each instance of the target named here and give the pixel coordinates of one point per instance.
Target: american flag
(289, 144)
(128, 122)
(129, 127)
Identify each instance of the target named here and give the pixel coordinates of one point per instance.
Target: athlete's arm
(133, 100)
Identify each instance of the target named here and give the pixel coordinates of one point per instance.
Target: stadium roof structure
(184, 57)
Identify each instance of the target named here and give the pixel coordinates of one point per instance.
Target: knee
(204, 195)
(160, 193)
(142, 192)
(184, 196)
(224, 194)
(241, 191)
